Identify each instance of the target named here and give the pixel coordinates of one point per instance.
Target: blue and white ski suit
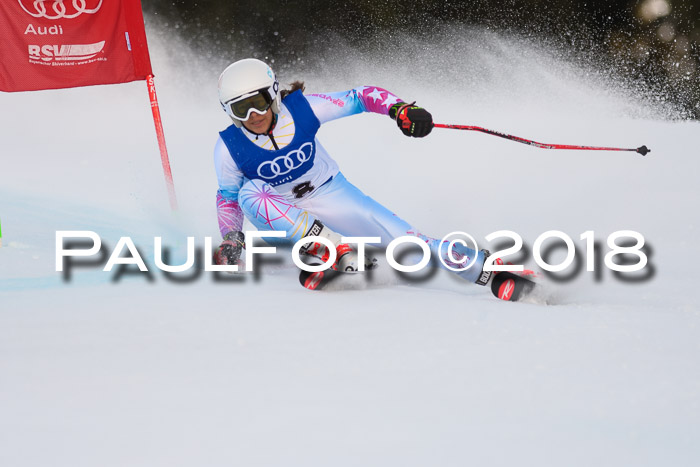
(287, 188)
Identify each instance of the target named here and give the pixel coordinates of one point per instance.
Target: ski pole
(643, 150)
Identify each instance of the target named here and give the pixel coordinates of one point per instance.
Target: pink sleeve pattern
(229, 213)
(377, 100)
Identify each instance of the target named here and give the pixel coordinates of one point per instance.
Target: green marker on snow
(0, 233)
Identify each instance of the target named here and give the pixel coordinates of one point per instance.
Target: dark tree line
(655, 43)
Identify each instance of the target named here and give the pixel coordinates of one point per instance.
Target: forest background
(653, 45)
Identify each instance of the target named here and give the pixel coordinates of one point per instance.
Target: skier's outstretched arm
(411, 119)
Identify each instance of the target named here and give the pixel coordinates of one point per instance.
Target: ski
(511, 287)
(318, 280)
(504, 285)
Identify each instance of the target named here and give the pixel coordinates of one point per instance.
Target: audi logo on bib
(283, 165)
(57, 9)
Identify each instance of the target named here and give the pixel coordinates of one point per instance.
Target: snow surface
(112, 370)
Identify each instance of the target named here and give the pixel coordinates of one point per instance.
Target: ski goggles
(240, 108)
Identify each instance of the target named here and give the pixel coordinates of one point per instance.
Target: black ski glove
(412, 120)
(229, 251)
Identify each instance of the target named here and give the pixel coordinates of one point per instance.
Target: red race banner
(52, 44)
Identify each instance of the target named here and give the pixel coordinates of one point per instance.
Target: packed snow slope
(133, 369)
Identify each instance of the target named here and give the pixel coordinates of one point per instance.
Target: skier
(272, 169)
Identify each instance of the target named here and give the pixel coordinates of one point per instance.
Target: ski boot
(316, 253)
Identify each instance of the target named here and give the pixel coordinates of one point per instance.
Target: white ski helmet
(243, 79)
